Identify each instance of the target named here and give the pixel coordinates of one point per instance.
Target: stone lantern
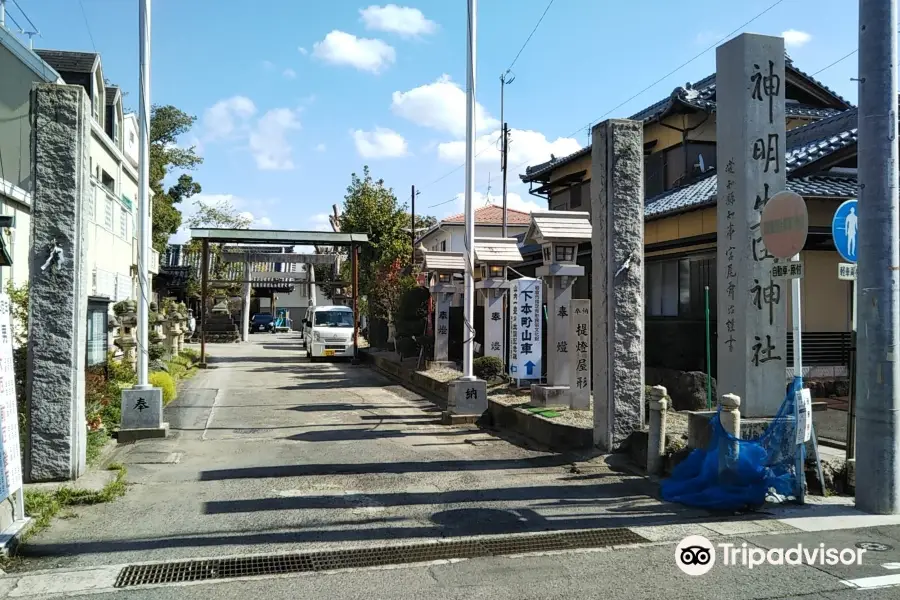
(442, 268)
(559, 233)
(493, 256)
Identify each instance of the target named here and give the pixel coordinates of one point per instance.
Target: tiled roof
(69, 62)
(497, 250)
(701, 96)
(493, 215)
(703, 193)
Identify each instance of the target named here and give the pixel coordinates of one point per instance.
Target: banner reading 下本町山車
(525, 322)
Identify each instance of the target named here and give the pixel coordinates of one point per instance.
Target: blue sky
(293, 95)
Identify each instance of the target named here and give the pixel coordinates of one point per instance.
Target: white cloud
(302, 50)
(320, 148)
(341, 48)
(268, 139)
(224, 117)
(268, 65)
(794, 38)
(289, 73)
(380, 143)
(406, 21)
(526, 147)
(440, 105)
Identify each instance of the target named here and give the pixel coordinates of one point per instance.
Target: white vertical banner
(11, 473)
(526, 320)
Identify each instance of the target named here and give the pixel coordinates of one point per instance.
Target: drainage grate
(279, 564)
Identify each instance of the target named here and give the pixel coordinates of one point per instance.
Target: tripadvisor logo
(695, 555)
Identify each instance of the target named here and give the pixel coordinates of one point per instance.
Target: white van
(328, 331)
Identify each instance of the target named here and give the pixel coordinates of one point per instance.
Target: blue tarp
(733, 474)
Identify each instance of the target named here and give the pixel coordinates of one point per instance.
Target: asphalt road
(270, 454)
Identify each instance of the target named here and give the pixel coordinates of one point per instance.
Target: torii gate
(277, 238)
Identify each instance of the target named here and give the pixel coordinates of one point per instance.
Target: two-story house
(111, 233)
(680, 214)
(448, 235)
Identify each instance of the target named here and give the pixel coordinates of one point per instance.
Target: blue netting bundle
(733, 474)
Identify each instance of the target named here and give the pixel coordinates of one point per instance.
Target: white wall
(130, 139)
(17, 242)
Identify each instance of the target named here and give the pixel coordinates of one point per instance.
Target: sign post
(11, 467)
(844, 229)
(785, 226)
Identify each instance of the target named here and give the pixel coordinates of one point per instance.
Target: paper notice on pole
(803, 404)
(11, 473)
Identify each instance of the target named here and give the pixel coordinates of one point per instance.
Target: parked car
(262, 322)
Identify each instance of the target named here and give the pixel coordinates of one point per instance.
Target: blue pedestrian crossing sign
(844, 230)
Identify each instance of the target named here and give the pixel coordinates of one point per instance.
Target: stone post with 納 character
(750, 133)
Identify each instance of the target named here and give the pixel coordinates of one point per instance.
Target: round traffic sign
(785, 224)
(844, 228)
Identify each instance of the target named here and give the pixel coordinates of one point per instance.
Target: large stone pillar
(58, 283)
(617, 190)
(750, 129)
(245, 304)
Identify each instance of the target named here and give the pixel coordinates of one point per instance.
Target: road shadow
(403, 467)
(359, 435)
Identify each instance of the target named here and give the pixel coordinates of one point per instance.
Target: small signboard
(847, 271)
(785, 224)
(11, 469)
(525, 329)
(803, 407)
(844, 229)
(788, 270)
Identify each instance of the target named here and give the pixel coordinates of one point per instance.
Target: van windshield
(333, 318)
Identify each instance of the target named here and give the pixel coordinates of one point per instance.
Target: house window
(123, 223)
(130, 137)
(575, 195)
(677, 287)
(108, 182)
(546, 254)
(444, 246)
(565, 254)
(109, 216)
(96, 334)
(115, 125)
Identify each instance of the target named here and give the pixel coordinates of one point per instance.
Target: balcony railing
(821, 349)
(152, 262)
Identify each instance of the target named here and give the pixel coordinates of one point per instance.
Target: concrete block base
(439, 364)
(10, 537)
(129, 436)
(467, 397)
(448, 418)
(551, 396)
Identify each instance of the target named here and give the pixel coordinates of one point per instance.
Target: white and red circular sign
(785, 224)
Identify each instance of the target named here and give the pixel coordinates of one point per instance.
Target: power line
(538, 24)
(88, 25)
(621, 104)
(841, 59)
(24, 14)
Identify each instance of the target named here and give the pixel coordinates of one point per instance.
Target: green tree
(220, 214)
(167, 124)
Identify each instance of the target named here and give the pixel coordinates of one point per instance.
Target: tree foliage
(167, 124)
(221, 214)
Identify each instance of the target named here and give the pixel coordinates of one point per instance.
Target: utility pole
(505, 80)
(412, 225)
(878, 294)
(143, 356)
(469, 304)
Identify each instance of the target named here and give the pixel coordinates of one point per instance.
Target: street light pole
(143, 355)
(878, 257)
(469, 303)
(504, 140)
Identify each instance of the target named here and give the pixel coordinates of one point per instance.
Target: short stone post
(59, 283)
(730, 418)
(656, 440)
(617, 287)
(494, 323)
